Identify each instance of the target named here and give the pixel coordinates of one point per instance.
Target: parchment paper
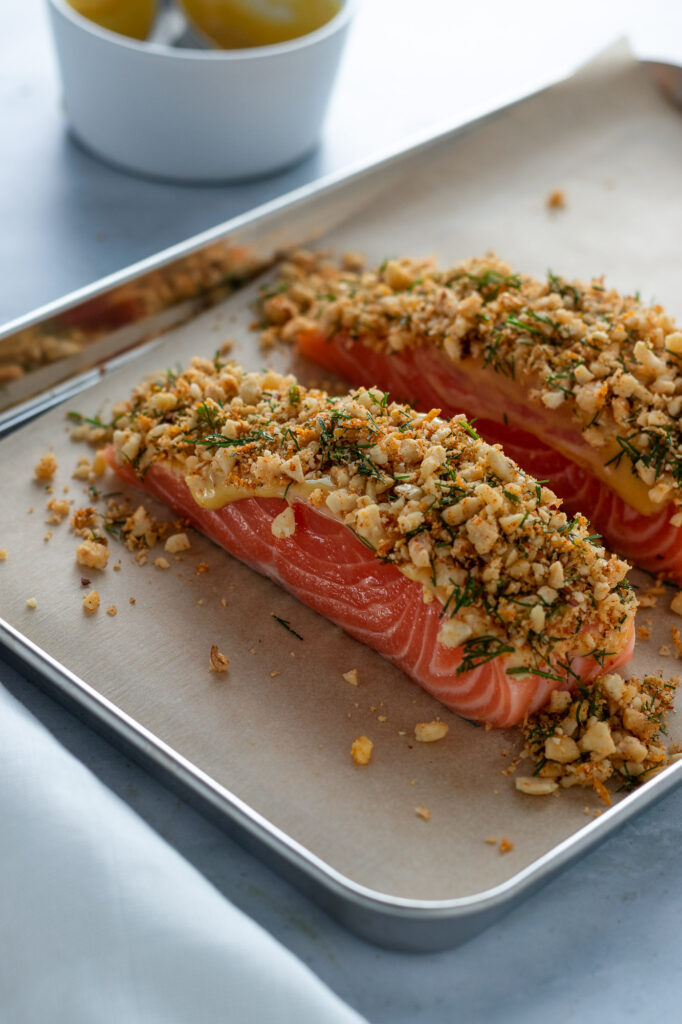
(281, 741)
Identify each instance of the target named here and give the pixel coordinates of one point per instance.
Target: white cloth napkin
(103, 922)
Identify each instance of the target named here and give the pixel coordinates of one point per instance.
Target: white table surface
(601, 941)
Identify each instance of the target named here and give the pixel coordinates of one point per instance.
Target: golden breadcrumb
(361, 750)
(91, 601)
(46, 467)
(217, 661)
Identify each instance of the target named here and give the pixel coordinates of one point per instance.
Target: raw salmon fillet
(582, 387)
(330, 566)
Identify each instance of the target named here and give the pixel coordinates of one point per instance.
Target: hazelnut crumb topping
(611, 730)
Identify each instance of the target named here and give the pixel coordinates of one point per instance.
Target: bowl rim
(250, 53)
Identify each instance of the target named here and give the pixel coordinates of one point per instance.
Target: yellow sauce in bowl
(237, 24)
(132, 18)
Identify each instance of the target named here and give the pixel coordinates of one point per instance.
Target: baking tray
(264, 750)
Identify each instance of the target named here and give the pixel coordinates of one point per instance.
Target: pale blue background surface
(601, 943)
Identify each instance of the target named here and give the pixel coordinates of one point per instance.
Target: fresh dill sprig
(287, 625)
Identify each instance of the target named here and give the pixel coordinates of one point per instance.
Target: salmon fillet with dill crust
(581, 385)
(407, 530)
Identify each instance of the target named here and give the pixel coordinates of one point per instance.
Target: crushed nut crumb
(92, 554)
(361, 750)
(556, 200)
(31, 603)
(422, 812)
(177, 542)
(91, 601)
(59, 509)
(430, 732)
(46, 467)
(351, 677)
(217, 661)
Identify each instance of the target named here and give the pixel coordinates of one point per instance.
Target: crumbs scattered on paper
(361, 750)
(556, 200)
(430, 732)
(217, 661)
(91, 601)
(46, 467)
(612, 730)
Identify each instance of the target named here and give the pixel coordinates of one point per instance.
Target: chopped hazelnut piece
(562, 749)
(91, 601)
(177, 542)
(676, 603)
(92, 554)
(422, 812)
(535, 787)
(284, 525)
(361, 750)
(217, 661)
(351, 677)
(161, 563)
(46, 467)
(31, 603)
(430, 732)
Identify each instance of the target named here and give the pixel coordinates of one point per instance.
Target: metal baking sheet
(266, 748)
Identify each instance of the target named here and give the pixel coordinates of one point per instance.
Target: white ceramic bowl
(196, 115)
